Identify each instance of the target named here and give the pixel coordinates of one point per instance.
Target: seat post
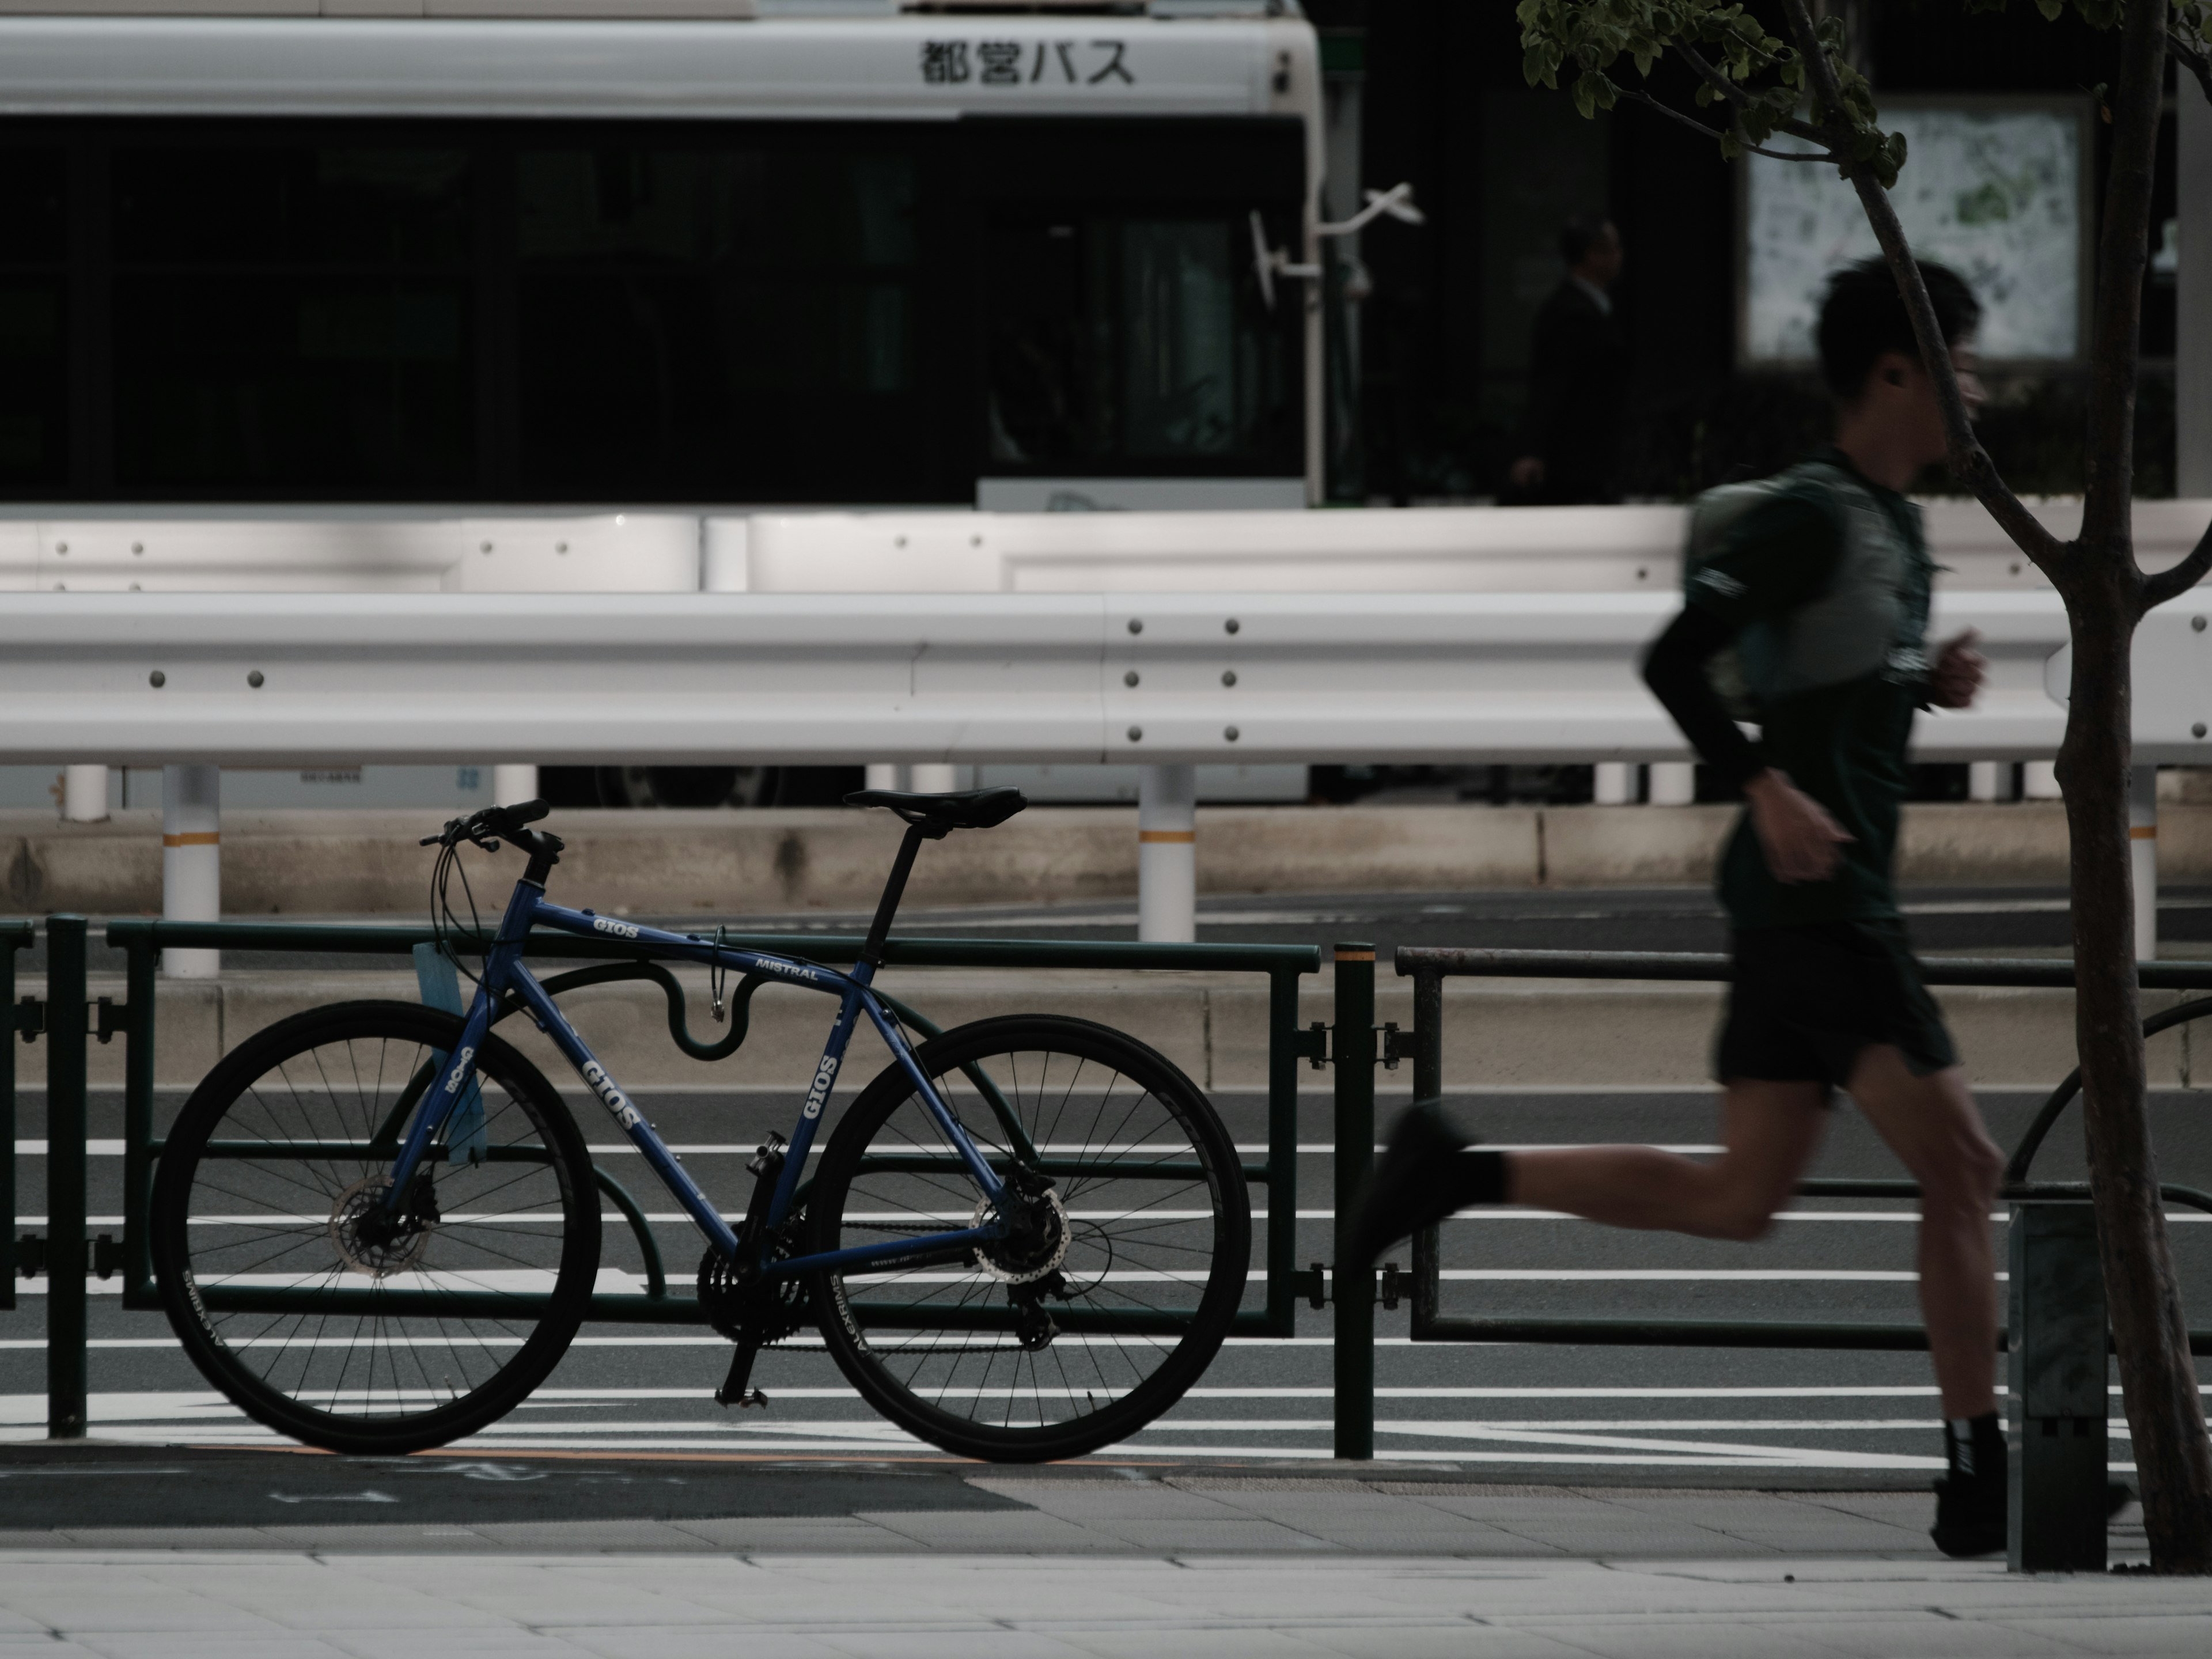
(887, 907)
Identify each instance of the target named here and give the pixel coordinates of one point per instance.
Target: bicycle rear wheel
(1119, 1296)
(288, 1297)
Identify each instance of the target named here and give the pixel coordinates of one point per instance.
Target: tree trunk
(2104, 592)
(2158, 1382)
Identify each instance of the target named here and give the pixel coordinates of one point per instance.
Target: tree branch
(2192, 58)
(1696, 125)
(2122, 253)
(1970, 462)
(1742, 100)
(2173, 582)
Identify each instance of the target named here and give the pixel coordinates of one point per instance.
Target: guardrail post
(65, 1246)
(2059, 1403)
(1167, 854)
(1353, 1046)
(191, 861)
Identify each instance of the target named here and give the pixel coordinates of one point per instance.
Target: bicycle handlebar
(483, 828)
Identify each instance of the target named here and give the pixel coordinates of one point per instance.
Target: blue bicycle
(377, 1226)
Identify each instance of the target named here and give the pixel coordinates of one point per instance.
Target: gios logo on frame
(608, 925)
(617, 1101)
(824, 1075)
(455, 1077)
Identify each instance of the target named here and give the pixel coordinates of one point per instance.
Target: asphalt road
(1614, 1415)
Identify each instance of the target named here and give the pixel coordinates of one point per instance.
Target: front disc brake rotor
(383, 1258)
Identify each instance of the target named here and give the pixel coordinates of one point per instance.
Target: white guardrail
(1162, 679)
(929, 638)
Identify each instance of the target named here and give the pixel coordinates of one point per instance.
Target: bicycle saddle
(963, 809)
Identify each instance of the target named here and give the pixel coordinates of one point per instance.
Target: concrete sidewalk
(424, 1605)
(1122, 1563)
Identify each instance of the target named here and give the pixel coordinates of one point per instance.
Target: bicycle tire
(1147, 1145)
(239, 1233)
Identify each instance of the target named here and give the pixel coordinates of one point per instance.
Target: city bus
(409, 253)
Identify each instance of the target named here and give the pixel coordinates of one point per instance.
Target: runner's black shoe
(1419, 1179)
(1970, 1513)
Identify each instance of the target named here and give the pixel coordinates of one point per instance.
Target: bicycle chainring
(759, 1310)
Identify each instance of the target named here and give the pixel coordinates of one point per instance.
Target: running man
(1815, 593)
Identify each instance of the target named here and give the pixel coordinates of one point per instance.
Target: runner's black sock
(1476, 1176)
(1974, 1447)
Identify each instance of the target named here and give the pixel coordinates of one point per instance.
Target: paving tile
(209, 1644)
(991, 1530)
(976, 1642)
(590, 1536)
(1200, 1642)
(161, 1538)
(740, 1642)
(2120, 1635)
(1929, 1634)
(1456, 1640)
(750, 1535)
(506, 1643)
(1672, 1638)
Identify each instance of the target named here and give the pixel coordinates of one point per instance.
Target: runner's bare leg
(1931, 1125)
(1770, 1130)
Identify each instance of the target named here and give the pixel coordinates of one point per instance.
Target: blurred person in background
(1569, 439)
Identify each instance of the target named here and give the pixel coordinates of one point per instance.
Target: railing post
(2058, 1399)
(65, 1246)
(8, 1034)
(1282, 1151)
(137, 1123)
(1353, 1047)
(1428, 1084)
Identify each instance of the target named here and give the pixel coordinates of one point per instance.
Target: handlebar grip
(528, 811)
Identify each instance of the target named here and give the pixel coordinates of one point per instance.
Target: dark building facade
(1498, 165)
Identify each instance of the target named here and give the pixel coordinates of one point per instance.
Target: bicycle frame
(505, 973)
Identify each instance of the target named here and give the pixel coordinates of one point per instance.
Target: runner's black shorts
(1807, 999)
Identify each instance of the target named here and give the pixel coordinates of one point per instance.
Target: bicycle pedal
(756, 1398)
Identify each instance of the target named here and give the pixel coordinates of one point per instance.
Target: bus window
(34, 275)
(290, 314)
(715, 319)
(1136, 344)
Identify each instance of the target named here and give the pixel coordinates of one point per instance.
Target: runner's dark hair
(1864, 316)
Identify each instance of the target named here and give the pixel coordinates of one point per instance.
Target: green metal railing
(1428, 967)
(1277, 1174)
(14, 936)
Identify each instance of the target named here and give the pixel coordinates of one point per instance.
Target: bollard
(2056, 1339)
(1167, 854)
(1353, 1046)
(65, 1249)
(1674, 783)
(1613, 783)
(512, 784)
(191, 861)
(84, 795)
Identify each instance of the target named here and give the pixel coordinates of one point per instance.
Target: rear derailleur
(739, 1300)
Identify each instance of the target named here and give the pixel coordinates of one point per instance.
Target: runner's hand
(1801, 841)
(1958, 674)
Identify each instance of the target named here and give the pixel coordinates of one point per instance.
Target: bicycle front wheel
(1118, 1289)
(293, 1293)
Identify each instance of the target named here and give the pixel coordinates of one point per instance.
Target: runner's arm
(1674, 669)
